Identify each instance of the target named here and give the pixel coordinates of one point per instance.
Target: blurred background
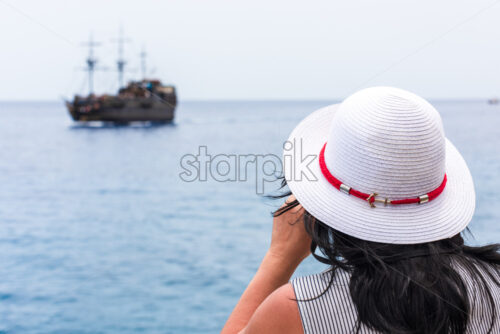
(98, 232)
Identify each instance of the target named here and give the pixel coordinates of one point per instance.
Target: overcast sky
(227, 49)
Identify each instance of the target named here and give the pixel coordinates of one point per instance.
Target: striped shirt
(334, 311)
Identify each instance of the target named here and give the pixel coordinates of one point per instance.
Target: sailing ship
(145, 100)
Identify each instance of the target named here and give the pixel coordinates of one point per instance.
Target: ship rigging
(145, 100)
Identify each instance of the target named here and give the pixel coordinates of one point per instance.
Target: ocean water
(99, 233)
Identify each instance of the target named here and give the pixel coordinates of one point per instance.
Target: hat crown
(389, 141)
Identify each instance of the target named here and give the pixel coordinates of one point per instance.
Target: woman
(384, 203)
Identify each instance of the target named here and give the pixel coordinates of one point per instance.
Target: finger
(290, 199)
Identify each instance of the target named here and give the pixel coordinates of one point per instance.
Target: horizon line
(334, 99)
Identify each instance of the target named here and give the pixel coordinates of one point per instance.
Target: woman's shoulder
(277, 314)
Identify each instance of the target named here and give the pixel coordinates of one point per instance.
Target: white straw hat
(388, 145)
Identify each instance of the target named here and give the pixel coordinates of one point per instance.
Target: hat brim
(441, 218)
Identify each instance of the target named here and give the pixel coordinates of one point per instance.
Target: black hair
(403, 289)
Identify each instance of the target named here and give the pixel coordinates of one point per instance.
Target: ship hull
(120, 111)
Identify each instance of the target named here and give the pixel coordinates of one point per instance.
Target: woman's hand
(290, 243)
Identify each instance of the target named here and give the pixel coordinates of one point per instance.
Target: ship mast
(91, 62)
(120, 62)
(143, 55)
